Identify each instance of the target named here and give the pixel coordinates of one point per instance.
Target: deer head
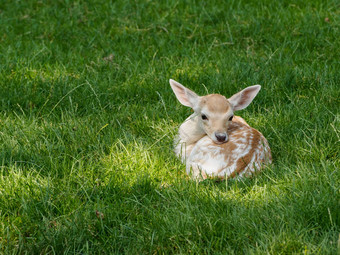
(214, 112)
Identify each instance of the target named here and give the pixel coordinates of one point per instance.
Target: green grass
(87, 120)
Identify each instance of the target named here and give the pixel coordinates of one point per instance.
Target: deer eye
(231, 118)
(204, 117)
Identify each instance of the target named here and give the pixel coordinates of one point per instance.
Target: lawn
(87, 122)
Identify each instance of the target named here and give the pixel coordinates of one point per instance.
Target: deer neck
(191, 131)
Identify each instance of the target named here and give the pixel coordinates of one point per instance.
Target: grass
(87, 120)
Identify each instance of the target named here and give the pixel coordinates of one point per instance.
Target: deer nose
(221, 137)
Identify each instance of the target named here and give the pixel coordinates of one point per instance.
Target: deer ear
(243, 98)
(185, 96)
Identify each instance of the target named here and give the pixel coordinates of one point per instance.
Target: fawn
(215, 143)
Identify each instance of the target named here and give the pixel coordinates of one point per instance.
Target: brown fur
(215, 103)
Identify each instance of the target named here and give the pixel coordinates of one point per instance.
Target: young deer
(213, 142)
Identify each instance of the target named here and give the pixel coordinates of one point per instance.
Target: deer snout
(221, 137)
